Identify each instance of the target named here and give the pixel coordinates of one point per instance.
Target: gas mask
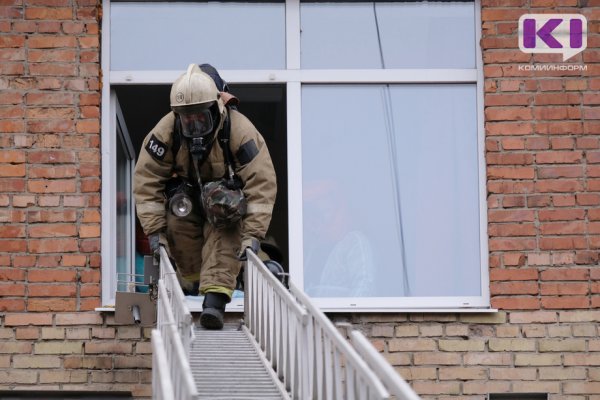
(199, 120)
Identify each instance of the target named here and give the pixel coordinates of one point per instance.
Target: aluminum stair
(286, 348)
(227, 365)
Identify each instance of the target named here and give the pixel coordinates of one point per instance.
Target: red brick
(12, 231)
(89, 291)
(513, 274)
(54, 304)
(564, 288)
(48, 27)
(556, 113)
(560, 172)
(490, 14)
(50, 99)
(563, 228)
(559, 157)
(565, 274)
(91, 276)
(27, 333)
(54, 230)
(11, 289)
(48, 42)
(52, 290)
(500, 230)
(510, 173)
(12, 305)
(558, 185)
(52, 245)
(563, 200)
(11, 274)
(508, 99)
(510, 159)
(562, 215)
(510, 244)
(56, 186)
(513, 144)
(52, 276)
(566, 302)
(53, 172)
(89, 303)
(508, 114)
(511, 216)
(509, 128)
(13, 246)
(91, 99)
(27, 319)
(506, 288)
(563, 243)
(12, 41)
(51, 216)
(53, 69)
(513, 201)
(557, 98)
(52, 55)
(516, 303)
(74, 260)
(48, 13)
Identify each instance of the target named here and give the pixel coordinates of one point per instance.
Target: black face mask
(197, 123)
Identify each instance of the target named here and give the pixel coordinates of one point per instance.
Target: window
(378, 137)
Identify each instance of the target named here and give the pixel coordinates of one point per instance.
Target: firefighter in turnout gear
(204, 188)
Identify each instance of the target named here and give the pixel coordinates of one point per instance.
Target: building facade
(498, 288)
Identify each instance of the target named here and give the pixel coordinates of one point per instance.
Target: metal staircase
(286, 348)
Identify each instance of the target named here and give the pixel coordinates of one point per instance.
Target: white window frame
(293, 77)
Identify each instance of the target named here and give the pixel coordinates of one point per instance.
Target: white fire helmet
(196, 99)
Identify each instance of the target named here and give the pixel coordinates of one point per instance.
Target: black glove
(156, 240)
(251, 243)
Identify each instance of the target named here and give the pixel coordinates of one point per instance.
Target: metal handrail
(304, 348)
(162, 386)
(308, 353)
(178, 305)
(179, 366)
(340, 372)
(276, 321)
(386, 373)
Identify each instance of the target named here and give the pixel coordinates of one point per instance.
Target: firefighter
(206, 157)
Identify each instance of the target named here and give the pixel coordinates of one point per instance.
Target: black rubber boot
(213, 310)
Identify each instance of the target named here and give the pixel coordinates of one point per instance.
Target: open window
(375, 129)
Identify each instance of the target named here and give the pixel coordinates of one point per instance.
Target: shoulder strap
(224, 141)
(176, 137)
(232, 180)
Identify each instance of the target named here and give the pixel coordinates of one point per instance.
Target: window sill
(237, 305)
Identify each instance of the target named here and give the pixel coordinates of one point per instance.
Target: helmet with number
(223, 206)
(197, 101)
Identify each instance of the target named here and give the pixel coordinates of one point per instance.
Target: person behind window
(338, 258)
(206, 157)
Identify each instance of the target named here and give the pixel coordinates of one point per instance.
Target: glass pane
(388, 35)
(169, 36)
(123, 239)
(390, 194)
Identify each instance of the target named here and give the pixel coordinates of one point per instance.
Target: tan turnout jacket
(200, 250)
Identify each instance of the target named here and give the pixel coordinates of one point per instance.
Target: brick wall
(543, 168)
(50, 337)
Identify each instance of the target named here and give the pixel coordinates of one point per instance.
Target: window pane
(123, 239)
(388, 35)
(169, 36)
(390, 193)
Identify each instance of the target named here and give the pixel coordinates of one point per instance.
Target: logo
(553, 33)
(179, 97)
